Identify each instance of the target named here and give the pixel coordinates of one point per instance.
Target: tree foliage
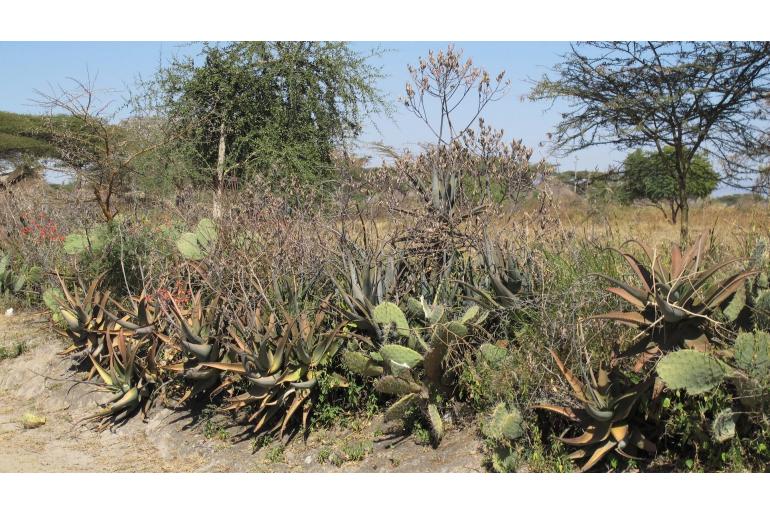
(692, 96)
(652, 176)
(270, 109)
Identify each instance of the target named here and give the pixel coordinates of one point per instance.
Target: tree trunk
(684, 221)
(216, 211)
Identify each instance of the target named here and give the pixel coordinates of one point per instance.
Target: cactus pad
(492, 354)
(436, 424)
(393, 385)
(696, 372)
(399, 409)
(504, 424)
(752, 352)
(361, 364)
(390, 315)
(400, 355)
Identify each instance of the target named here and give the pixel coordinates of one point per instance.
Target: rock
(308, 460)
(9, 312)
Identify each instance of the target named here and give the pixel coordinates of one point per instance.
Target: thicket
(572, 351)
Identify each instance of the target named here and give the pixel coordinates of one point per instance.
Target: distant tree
(652, 177)
(269, 109)
(696, 97)
(101, 153)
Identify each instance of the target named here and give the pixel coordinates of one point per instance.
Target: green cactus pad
(393, 385)
(361, 364)
(414, 307)
(187, 244)
(723, 427)
(504, 424)
(470, 314)
(448, 333)
(79, 242)
(399, 409)
(762, 310)
(390, 315)
(400, 355)
(492, 354)
(752, 353)
(206, 234)
(436, 424)
(695, 371)
(736, 305)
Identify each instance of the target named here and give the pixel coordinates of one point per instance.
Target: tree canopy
(648, 175)
(271, 108)
(695, 97)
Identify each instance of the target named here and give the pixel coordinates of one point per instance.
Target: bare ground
(174, 441)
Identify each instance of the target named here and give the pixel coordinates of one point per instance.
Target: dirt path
(170, 441)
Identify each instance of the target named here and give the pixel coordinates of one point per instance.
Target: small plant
(357, 451)
(276, 454)
(324, 455)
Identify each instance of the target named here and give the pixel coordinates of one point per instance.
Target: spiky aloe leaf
(400, 355)
(492, 354)
(361, 364)
(504, 424)
(393, 385)
(723, 427)
(752, 352)
(434, 313)
(390, 315)
(694, 371)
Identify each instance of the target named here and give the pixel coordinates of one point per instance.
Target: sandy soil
(173, 441)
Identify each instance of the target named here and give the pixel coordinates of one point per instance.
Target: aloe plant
(280, 360)
(604, 416)
(675, 304)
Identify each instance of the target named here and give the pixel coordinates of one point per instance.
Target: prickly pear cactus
(390, 316)
(752, 353)
(436, 423)
(492, 355)
(400, 356)
(361, 364)
(400, 409)
(723, 427)
(197, 245)
(695, 371)
(79, 242)
(762, 310)
(504, 424)
(393, 385)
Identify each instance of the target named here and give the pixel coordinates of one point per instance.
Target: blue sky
(30, 66)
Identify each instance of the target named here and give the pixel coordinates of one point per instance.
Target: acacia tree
(690, 96)
(269, 109)
(647, 176)
(84, 130)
